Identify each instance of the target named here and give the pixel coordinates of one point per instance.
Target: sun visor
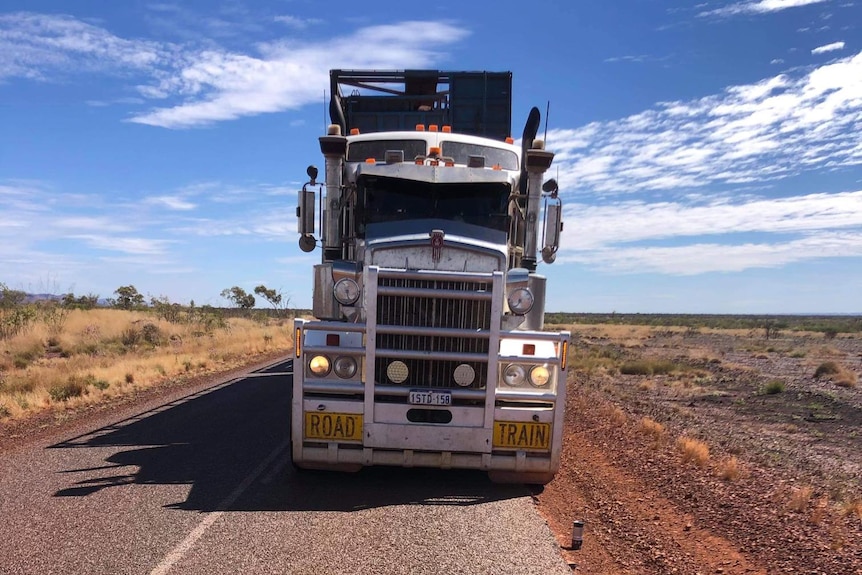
(435, 174)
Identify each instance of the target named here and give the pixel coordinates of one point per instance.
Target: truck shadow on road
(214, 441)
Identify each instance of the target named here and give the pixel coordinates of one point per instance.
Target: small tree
(128, 298)
(239, 297)
(275, 298)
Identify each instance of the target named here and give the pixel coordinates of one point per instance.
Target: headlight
(345, 367)
(514, 375)
(346, 291)
(397, 371)
(319, 365)
(539, 376)
(520, 300)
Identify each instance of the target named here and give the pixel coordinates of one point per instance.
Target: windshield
(391, 200)
(461, 152)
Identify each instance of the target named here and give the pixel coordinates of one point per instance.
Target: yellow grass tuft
(730, 469)
(693, 451)
(653, 429)
(800, 498)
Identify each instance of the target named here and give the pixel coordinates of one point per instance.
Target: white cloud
(759, 7)
(696, 259)
(669, 237)
(205, 85)
(296, 22)
(828, 48)
(218, 85)
(172, 202)
(37, 45)
(758, 132)
(129, 245)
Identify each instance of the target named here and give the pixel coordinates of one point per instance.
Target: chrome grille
(440, 303)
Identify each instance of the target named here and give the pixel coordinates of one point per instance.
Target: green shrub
(774, 387)
(74, 387)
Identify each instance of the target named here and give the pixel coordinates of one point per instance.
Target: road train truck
(428, 348)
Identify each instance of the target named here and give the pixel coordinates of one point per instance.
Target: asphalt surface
(203, 484)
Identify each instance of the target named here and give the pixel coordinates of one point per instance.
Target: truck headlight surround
(514, 375)
(346, 291)
(319, 365)
(521, 300)
(540, 376)
(344, 366)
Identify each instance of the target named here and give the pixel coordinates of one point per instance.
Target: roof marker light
(447, 129)
(510, 140)
(432, 127)
(370, 161)
(354, 131)
(420, 127)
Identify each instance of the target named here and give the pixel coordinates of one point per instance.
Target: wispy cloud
(211, 84)
(129, 245)
(758, 7)
(172, 202)
(674, 237)
(828, 48)
(38, 46)
(296, 22)
(758, 132)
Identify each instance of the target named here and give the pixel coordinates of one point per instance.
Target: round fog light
(319, 365)
(539, 376)
(464, 375)
(345, 367)
(514, 375)
(397, 371)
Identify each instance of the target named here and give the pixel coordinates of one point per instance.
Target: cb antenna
(547, 113)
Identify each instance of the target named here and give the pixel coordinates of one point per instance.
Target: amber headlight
(319, 365)
(514, 375)
(539, 376)
(520, 300)
(345, 367)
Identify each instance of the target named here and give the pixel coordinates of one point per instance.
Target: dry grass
(839, 374)
(729, 469)
(853, 507)
(693, 451)
(800, 498)
(103, 353)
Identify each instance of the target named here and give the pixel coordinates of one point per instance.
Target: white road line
(186, 544)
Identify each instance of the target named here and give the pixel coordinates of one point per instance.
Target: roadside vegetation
(70, 351)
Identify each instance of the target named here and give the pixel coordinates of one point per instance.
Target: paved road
(203, 484)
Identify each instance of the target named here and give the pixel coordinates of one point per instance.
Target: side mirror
(553, 226)
(305, 220)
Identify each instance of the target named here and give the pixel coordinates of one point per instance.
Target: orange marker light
(432, 127)
(370, 161)
(510, 140)
(420, 127)
(529, 349)
(354, 131)
(434, 151)
(497, 167)
(447, 129)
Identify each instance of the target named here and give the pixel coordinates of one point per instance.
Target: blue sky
(709, 155)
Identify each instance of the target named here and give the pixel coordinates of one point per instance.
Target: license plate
(522, 435)
(333, 426)
(430, 397)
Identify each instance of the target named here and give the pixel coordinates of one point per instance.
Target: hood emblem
(436, 244)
